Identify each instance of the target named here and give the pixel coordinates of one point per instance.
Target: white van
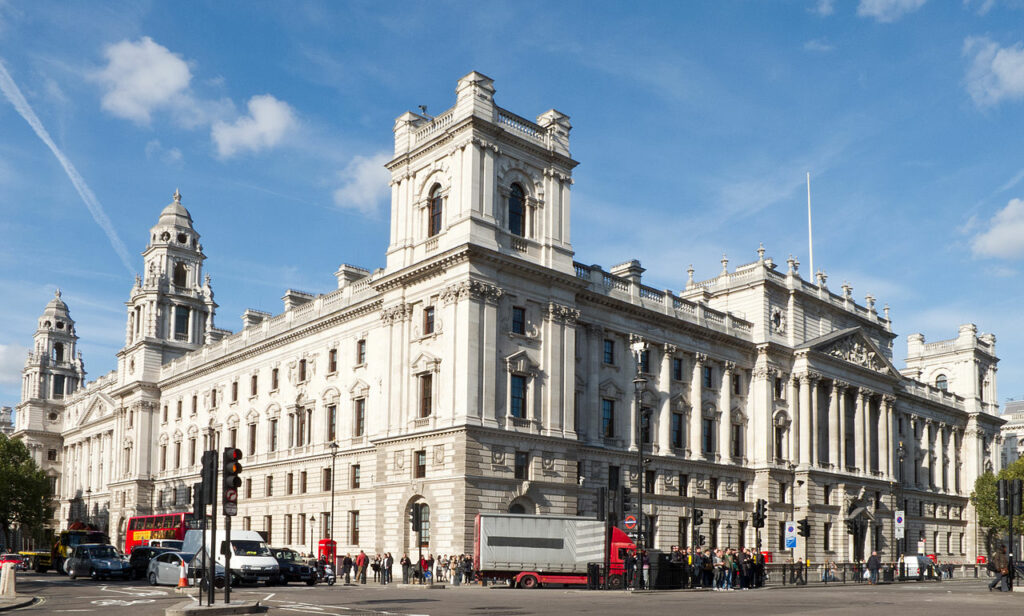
(251, 559)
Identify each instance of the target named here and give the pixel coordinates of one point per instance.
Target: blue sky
(694, 123)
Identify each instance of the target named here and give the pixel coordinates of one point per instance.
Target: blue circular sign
(789, 529)
(899, 519)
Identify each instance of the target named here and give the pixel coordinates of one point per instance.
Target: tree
(24, 489)
(985, 498)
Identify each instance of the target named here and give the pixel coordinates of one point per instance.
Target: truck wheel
(615, 582)
(529, 582)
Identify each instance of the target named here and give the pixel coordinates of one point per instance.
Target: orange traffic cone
(182, 577)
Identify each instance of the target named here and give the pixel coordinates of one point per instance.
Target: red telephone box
(328, 551)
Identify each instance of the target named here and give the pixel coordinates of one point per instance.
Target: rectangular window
(428, 320)
(302, 370)
(268, 526)
(273, 435)
(248, 487)
(354, 477)
(332, 422)
(421, 464)
(518, 396)
(270, 485)
(650, 479)
(254, 385)
(328, 480)
(360, 417)
(213, 398)
(234, 391)
(177, 414)
(246, 523)
(828, 495)
(737, 441)
(163, 457)
(684, 484)
(743, 491)
(783, 489)
(332, 360)
(645, 425)
(274, 374)
(288, 484)
(608, 418)
(614, 475)
(426, 394)
(708, 435)
(522, 469)
(677, 371)
(233, 438)
(353, 527)
(683, 530)
(713, 489)
(609, 352)
(778, 388)
(302, 482)
(677, 430)
(708, 376)
(782, 536)
(737, 384)
(58, 386)
(252, 439)
(177, 454)
(518, 320)
(361, 352)
(826, 536)
(195, 404)
(164, 416)
(180, 323)
(645, 361)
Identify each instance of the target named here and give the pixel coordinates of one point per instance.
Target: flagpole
(810, 235)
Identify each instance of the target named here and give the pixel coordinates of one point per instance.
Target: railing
(582, 271)
(519, 244)
(614, 282)
(440, 122)
(430, 244)
(649, 293)
(519, 124)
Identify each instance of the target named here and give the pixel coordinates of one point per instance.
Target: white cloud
(268, 122)
(820, 45)
(996, 73)
(1005, 235)
(141, 77)
(887, 11)
(825, 7)
(12, 360)
(984, 5)
(364, 184)
(169, 156)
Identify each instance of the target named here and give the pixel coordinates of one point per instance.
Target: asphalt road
(64, 596)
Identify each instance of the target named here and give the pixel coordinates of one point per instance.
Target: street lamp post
(639, 383)
(330, 527)
(88, 514)
(901, 543)
(312, 522)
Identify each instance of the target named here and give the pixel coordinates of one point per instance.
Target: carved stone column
(927, 453)
(695, 405)
(885, 417)
(833, 426)
(664, 400)
(841, 389)
(805, 420)
(590, 407)
(725, 415)
(951, 457)
(858, 432)
(815, 423)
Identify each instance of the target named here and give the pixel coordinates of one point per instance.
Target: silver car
(165, 569)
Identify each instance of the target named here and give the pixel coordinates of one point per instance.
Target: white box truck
(530, 550)
(251, 559)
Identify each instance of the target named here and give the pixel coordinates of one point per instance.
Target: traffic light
(414, 517)
(698, 517)
(232, 467)
(851, 527)
(198, 506)
(803, 528)
(760, 513)
(701, 540)
(209, 477)
(627, 501)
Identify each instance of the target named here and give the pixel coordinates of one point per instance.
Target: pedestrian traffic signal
(627, 501)
(701, 540)
(414, 517)
(760, 513)
(209, 477)
(232, 468)
(803, 528)
(698, 517)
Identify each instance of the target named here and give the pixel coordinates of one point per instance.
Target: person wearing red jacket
(361, 561)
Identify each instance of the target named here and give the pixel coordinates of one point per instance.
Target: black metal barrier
(593, 576)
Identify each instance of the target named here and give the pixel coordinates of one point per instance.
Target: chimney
(294, 299)
(629, 270)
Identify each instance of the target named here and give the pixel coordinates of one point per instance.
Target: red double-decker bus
(145, 528)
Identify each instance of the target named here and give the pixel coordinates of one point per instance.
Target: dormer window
(180, 274)
(517, 211)
(434, 211)
(941, 382)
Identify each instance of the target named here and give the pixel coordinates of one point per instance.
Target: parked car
(165, 569)
(140, 557)
(916, 566)
(171, 544)
(14, 559)
(97, 561)
(293, 567)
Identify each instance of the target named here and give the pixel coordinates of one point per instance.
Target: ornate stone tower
(171, 308)
(480, 174)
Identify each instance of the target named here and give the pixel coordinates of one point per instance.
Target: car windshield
(286, 555)
(174, 545)
(103, 552)
(250, 548)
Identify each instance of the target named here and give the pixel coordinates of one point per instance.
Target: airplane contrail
(13, 94)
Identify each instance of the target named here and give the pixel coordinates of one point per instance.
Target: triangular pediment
(99, 406)
(852, 346)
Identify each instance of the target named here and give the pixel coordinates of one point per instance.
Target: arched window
(517, 508)
(517, 211)
(58, 352)
(434, 212)
(941, 382)
(180, 274)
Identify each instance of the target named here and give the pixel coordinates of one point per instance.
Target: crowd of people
(451, 569)
(719, 569)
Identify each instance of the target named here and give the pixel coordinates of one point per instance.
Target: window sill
(358, 366)
(332, 373)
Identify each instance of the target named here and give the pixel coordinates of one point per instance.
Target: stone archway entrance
(857, 523)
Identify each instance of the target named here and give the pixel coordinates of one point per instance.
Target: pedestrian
(467, 570)
(375, 566)
(1001, 566)
(874, 564)
(346, 568)
(362, 560)
(630, 569)
(406, 568)
(389, 563)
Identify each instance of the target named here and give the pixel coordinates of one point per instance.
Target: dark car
(293, 568)
(140, 557)
(98, 561)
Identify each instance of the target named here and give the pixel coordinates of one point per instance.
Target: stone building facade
(484, 370)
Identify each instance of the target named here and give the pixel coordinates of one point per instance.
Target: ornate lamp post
(639, 383)
(88, 513)
(330, 527)
(901, 452)
(312, 521)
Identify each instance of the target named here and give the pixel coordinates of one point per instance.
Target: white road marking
(267, 598)
(121, 602)
(136, 592)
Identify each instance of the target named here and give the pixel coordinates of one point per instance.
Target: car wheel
(152, 579)
(310, 581)
(71, 573)
(529, 582)
(218, 583)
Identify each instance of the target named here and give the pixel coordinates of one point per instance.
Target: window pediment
(426, 362)
(709, 411)
(609, 389)
(359, 389)
(520, 363)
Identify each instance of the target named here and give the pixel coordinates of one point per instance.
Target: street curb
(20, 603)
(187, 608)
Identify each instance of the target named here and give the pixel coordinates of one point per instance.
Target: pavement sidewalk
(19, 601)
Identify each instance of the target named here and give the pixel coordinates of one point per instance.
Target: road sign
(629, 522)
(231, 495)
(230, 508)
(900, 524)
(791, 534)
